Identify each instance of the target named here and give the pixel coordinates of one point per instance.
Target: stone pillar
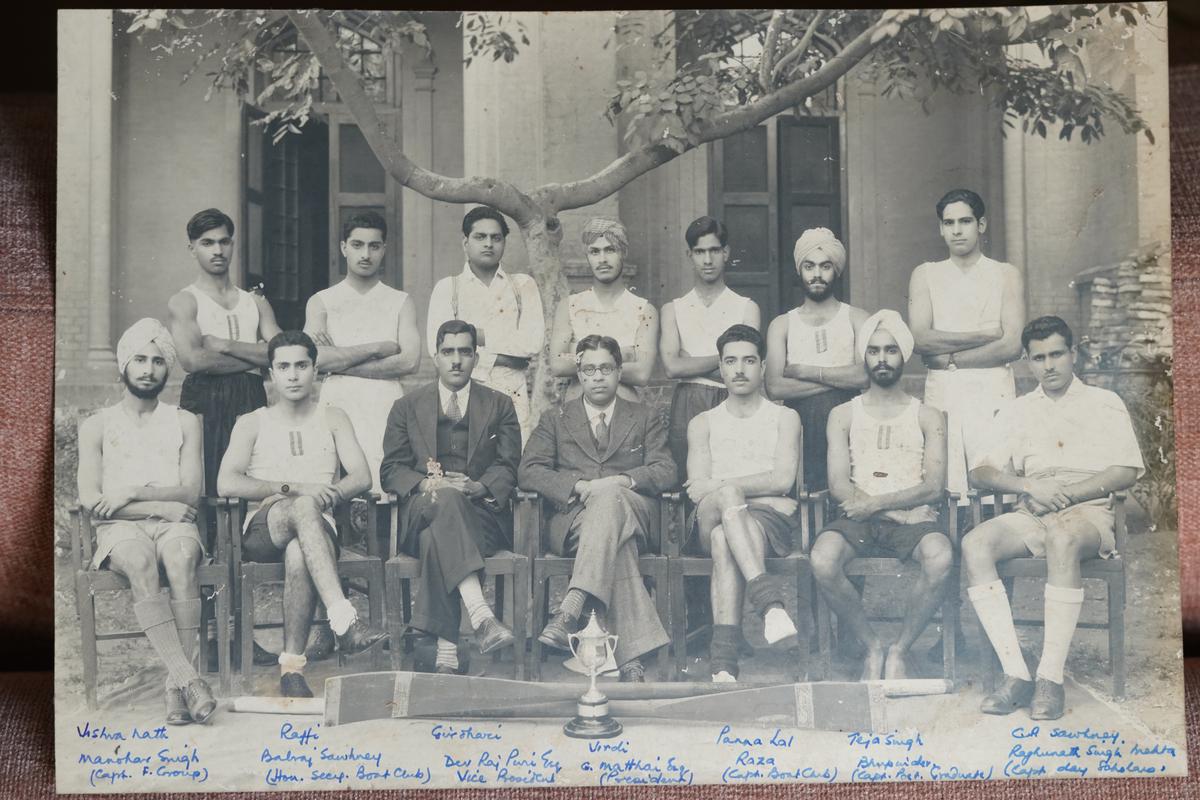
(100, 40)
(417, 120)
(1014, 199)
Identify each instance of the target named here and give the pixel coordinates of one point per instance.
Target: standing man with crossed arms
(813, 365)
(966, 314)
(504, 307)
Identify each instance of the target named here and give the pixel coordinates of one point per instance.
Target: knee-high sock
(472, 596)
(572, 603)
(723, 651)
(187, 625)
(155, 618)
(1062, 615)
(995, 614)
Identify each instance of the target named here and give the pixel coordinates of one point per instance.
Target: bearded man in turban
(608, 308)
(887, 471)
(812, 362)
(140, 475)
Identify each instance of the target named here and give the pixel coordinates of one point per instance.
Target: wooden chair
(547, 566)
(794, 565)
(353, 568)
(897, 568)
(509, 569)
(1110, 570)
(213, 579)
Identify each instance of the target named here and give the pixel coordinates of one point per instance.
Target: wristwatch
(950, 364)
(285, 489)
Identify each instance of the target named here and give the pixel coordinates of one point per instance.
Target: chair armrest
(1120, 530)
(813, 511)
(674, 523)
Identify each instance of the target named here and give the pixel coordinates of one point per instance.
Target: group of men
(818, 400)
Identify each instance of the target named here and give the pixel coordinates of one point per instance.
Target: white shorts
(1032, 529)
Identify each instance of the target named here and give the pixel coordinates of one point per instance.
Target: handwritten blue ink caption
(897, 756)
(1053, 751)
(514, 767)
(138, 754)
(304, 760)
(759, 757)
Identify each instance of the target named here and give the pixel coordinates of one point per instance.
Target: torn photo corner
(822, 430)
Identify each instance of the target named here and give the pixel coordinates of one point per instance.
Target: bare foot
(896, 667)
(873, 665)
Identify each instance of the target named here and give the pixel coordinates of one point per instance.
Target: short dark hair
(290, 339)
(364, 219)
(207, 220)
(962, 196)
(597, 342)
(742, 333)
(1045, 327)
(483, 212)
(703, 227)
(452, 327)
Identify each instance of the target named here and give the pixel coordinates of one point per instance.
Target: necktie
(602, 434)
(452, 409)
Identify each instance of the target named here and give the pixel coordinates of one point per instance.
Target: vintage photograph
(504, 399)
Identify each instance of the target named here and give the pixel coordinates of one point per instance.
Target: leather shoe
(200, 701)
(263, 657)
(633, 672)
(493, 634)
(177, 709)
(556, 632)
(358, 637)
(293, 684)
(1012, 694)
(322, 644)
(1048, 700)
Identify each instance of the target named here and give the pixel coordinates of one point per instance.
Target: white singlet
(828, 345)
(283, 452)
(888, 455)
(740, 446)
(140, 455)
(700, 326)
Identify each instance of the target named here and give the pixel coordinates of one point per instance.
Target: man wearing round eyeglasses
(602, 463)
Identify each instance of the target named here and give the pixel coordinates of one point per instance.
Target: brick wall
(1128, 303)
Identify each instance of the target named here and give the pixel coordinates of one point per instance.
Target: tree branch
(500, 194)
(800, 49)
(774, 27)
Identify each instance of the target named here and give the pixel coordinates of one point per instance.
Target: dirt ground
(130, 677)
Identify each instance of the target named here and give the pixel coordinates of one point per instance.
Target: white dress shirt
(463, 395)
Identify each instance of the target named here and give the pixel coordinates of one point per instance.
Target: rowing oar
(821, 706)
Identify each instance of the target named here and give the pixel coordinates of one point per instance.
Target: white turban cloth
(887, 320)
(146, 330)
(820, 239)
(610, 229)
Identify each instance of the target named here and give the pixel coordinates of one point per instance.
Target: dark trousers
(814, 416)
(452, 536)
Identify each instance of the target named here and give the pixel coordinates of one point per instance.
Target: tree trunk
(542, 235)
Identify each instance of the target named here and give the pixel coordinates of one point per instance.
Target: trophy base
(592, 728)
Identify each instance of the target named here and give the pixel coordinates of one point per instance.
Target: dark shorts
(882, 538)
(256, 540)
(779, 528)
(221, 399)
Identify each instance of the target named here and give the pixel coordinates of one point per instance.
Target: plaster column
(100, 40)
(417, 122)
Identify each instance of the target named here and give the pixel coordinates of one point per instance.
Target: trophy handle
(612, 642)
(573, 643)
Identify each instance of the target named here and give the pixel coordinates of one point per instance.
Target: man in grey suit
(602, 462)
(450, 453)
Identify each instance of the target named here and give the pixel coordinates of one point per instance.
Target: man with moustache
(221, 333)
(887, 471)
(139, 477)
(690, 327)
(366, 335)
(812, 362)
(743, 514)
(608, 308)
(1063, 449)
(504, 307)
(450, 455)
(602, 463)
(285, 459)
(966, 313)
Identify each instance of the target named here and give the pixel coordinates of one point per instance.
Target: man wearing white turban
(608, 308)
(812, 362)
(139, 476)
(887, 469)
(967, 313)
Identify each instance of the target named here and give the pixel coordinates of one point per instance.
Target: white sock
(447, 653)
(723, 677)
(341, 616)
(472, 597)
(1063, 605)
(777, 625)
(292, 662)
(995, 614)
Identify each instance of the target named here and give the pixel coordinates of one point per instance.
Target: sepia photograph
(502, 399)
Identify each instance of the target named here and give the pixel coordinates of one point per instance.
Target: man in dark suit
(450, 453)
(602, 462)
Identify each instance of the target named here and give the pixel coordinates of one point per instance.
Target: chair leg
(1116, 634)
(662, 603)
(825, 636)
(223, 639)
(678, 619)
(86, 603)
(541, 601)
(246, 673)
(375, 591)
(406, 601)
(520, 593)
(501, 586)
(950, 627)
(395, 617)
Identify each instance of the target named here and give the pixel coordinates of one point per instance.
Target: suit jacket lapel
(576, 422)
(479, 411)
(618, 428)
